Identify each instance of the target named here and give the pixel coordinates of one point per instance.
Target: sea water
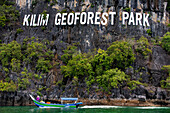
(86, 109)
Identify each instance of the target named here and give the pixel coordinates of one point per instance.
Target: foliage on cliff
(121, 54)
(8, 15)
(166, 83)
(166, 42)
(16, 58)
(111, 78)
(7, 86)
(143, 47)
(32, 59)
(102, 67)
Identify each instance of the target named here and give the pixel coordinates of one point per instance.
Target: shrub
(168, 25)
(8, 16)
(39, 54)
(92, 5)
(63, 11)
(47, 0)
(166, 42)
(149, 32)
(143, 47)
(134, 83)
(166, 68)
(52, 4)
(166, 83)
(39, 93)
(68, 53)
(127, 9)
(6, 2)
(3, 20)
(78, 66)
(101, 62)
(121, 54)
(15, 65)
(19, 30)
(34, 3)
(10, 51)
(7, 86)
(43, 28)
(44, 14)
(112, 78)
(14, 56)
(96, 65)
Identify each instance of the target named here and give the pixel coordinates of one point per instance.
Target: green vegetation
(102, 67)
(149, 32)
(10, 52)
(31, 60)
(92, 5)
(166, 42)
(6, 2)
(47, 0)
(43, 28)
(14, 56)
(63, 11)
(8, 15)
(19, 30)
(121, 54)
(168, 25)
(78, 66)
(39, 54)
(166, 83)
(101, 62)
(143, 46)
(68, 53)
(52, 4)
(156, 41)
(34, 3)
(127, 9)
(44, 14)
(134, 83)
(111, 79)
(7, 86)
(39, 93)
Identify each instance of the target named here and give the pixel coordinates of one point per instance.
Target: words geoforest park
(86, 18)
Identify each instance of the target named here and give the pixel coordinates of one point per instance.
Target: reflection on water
(53, 110)
(86, 109)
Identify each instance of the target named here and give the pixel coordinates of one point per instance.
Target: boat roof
(69, 98)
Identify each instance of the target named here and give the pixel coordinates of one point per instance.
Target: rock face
(91, 36)
(24, 3)
(159, 58)
(15, 99)
(22, 99)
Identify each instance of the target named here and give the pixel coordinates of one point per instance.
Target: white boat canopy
(69, 99)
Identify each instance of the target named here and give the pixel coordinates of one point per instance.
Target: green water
(86, 110)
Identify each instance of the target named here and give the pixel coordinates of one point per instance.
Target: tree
(9, 52)
(121, 54)
(166, 42)
(101, 62)
(8, 15)
(78, 66)
(112, 78)
(143, 47)
(68, 53)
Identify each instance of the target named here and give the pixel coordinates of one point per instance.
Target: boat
(53, 105)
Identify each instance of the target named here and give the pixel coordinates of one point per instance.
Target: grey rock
(141, 98)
